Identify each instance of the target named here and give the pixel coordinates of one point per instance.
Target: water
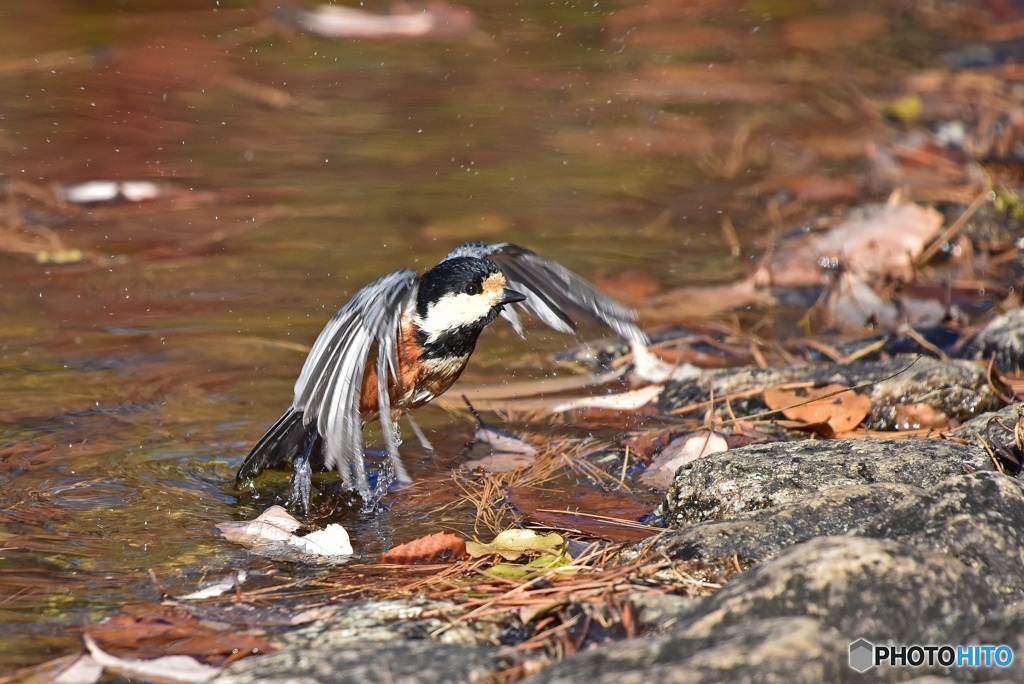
(297, 169)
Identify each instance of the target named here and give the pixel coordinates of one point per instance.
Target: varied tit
(403, 340)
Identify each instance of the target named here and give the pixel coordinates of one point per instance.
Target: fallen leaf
(610, 515)
(512, 544)
(877, 244)
(148, 631)
(852, 302)
(333, 540)
(679, 452)
(272, 532)
(440, 547)
(843, 411)
(170, 669)
(917, 416)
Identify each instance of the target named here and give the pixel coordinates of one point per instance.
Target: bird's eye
(473, 289)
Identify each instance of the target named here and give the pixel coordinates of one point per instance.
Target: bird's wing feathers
(554, 294)
(328, 389)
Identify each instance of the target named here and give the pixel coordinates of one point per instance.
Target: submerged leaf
(273, 531)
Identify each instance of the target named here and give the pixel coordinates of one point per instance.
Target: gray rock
(720, 486)
(761, 535)
(792, 619)
(978, 519)
(376, 641)
(783, 650)
(387, 662)
(994, 432)
(1002, 339)
(871, 588)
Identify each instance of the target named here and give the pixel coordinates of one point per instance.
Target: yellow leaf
(512, 544)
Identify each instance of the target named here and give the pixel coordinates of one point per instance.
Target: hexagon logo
(862, 655)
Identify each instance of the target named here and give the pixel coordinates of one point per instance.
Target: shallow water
(297, 169)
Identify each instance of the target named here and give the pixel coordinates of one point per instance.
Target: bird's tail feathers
(277, 447)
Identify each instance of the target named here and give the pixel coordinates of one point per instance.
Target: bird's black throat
(455, 343)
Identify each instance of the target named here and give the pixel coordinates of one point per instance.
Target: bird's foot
(302, 484)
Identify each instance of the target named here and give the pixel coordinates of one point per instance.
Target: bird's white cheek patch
(454, 311)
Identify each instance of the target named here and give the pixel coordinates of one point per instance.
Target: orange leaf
(843, 411)
(439, 547)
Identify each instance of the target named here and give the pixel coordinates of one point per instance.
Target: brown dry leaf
(440, 547)
(599, 514)
(843, 411)
(822, 429)
(918, 416)
(154, 630)
(648, 442)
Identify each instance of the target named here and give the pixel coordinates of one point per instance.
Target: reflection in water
(298, 169)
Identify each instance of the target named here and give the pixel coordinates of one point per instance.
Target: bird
(403, 340)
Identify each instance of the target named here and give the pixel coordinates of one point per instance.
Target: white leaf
(333, 540)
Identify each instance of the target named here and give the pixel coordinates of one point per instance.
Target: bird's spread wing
(554, 294)
(328, 389)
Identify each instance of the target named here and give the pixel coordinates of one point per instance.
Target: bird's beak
(511, 297)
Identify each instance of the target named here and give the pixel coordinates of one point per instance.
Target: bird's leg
(302, 474)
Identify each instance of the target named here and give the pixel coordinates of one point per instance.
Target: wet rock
(793, 618)
(1003, 340)
(952, 390)
(756, 477)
